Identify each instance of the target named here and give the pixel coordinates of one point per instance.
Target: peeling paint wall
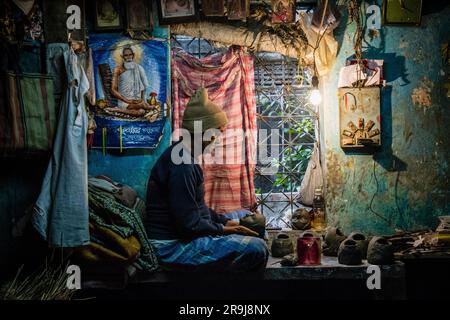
(408, 181)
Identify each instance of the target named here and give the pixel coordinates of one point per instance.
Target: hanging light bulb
(315, 98)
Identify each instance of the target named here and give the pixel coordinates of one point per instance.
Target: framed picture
(108, 15)
(177, 11)
(359, 118)
(283, 11)
(402, 12)
(139, 15)
(238, 9)
(213, 8)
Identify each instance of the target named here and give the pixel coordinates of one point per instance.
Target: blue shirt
(176, 206)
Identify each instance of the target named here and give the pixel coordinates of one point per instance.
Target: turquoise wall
(412, 167)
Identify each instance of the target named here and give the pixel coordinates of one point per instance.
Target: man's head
(127, 54)
(204, 116)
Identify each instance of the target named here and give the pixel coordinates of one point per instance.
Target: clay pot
(255, 222)
(309, 249)
(361, 241)
(349, 253)
(333, 238)
(282, 246)
(301, 219)
(380, 251)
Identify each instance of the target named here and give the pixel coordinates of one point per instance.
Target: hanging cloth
(61, 213)
(229, 79)
(313, 179)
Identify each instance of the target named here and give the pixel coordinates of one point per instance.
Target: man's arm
(183, 205)
(218, 217)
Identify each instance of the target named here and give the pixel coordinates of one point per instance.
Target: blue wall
(412, 168)
(131, 169)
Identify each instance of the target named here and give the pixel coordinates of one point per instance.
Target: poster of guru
(131, 91)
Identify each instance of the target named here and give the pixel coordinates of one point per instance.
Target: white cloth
(61, 213)
(131, 83)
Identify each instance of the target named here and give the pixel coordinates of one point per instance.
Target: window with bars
(288, 123)
(282, 91)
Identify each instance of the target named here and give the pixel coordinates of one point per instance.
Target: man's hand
(231, 223)
(239, 230)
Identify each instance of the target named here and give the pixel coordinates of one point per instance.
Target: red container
(309, 250)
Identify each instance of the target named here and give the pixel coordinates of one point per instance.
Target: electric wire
(373, 198)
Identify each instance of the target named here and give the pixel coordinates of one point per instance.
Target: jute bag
(313, 179)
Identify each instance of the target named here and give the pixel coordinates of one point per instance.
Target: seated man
(183, 230)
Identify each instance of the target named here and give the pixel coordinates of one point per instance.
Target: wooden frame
(283, 11)
(213, 8)
(170, 11)
(139, 15)
(108, 15)
(390, 8)
(238, 9)
(214, 11)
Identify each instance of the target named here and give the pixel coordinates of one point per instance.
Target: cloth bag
(313, 179)
(29, 113)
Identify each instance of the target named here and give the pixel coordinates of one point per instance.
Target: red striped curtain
(229, 79)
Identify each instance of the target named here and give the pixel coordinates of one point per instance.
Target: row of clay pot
(282, 245)
(356, 247)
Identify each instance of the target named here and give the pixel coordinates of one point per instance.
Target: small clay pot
(380, 251)
(349, 253)
(361, 241)
(308, 234)
(255, 222)
(301, 219)
(282, 246)
(333, 238)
